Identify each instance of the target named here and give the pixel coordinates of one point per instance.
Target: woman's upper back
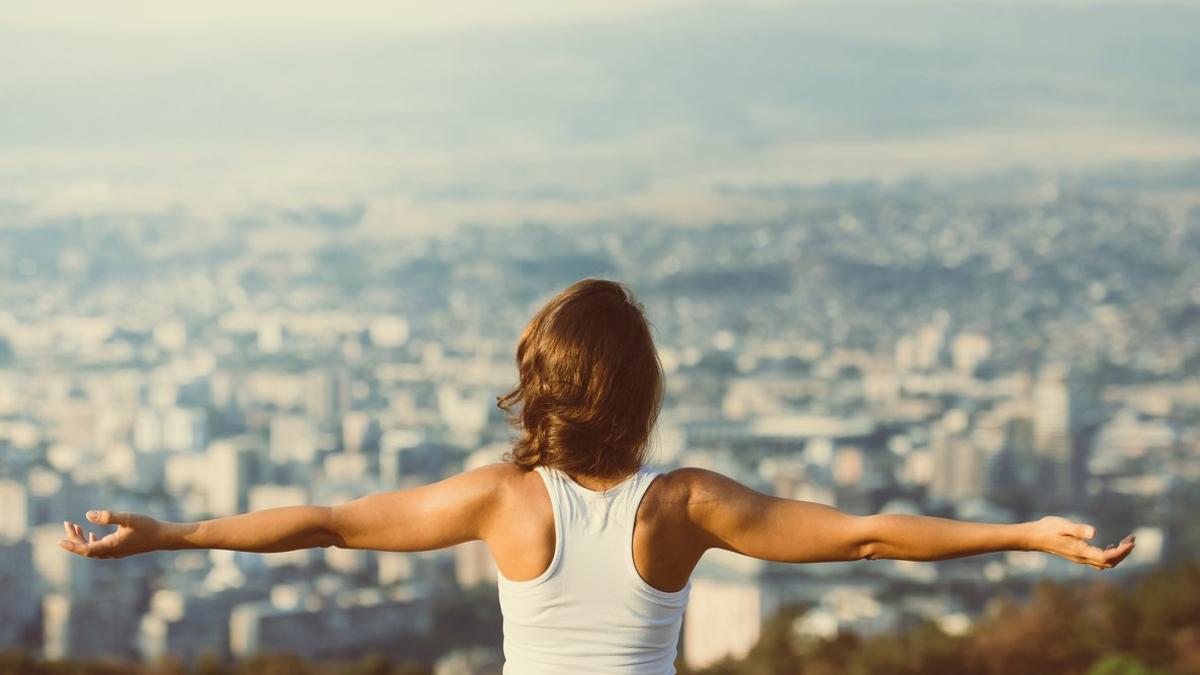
(634, 562)
(574, 598)
(665, 549)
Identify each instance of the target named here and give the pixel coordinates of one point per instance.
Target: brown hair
(591, 384)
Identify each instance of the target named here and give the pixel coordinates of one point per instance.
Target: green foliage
(1151, 627)
(1123, 665)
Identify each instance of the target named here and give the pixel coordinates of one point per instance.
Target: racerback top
(590, 612)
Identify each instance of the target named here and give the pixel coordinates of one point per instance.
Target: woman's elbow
(325, 538)
(867, 551)
(864, 539)
(330, 530)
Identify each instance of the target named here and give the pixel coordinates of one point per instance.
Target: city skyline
(922, 258)
(1031, 358)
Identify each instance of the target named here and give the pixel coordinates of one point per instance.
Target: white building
(724, 618)
(14, 510)
(293, 438)
(230, 470)
(314, 628)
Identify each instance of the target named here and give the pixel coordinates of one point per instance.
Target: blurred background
(922, 257)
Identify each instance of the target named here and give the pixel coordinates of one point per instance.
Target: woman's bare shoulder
(687, 488)
(515, 487)
(691, 483)
(500, 475)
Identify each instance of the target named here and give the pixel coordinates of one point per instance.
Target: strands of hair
(590, 383)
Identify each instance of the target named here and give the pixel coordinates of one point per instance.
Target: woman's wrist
(175, 536)
(1026, 537)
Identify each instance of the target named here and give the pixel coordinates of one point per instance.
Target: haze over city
(928, 257)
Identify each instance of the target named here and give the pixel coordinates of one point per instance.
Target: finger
(72, 534)
(1092, 555)
(65, 544)
(73, 546)
(78, 530)
(103, 548)
(1123, 545)
(1083, 531)
(1117, 549)
(91, 538)
(108, 517)
(1116, 555)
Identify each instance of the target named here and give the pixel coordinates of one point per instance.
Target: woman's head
(590, 383)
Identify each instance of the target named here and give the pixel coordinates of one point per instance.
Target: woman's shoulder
(677, 493)
(501, 473)
(511, 482)
(690, 482)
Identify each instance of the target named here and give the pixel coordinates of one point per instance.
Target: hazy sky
(574, 109)
(126, 16)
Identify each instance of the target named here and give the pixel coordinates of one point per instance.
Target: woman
(595, 551)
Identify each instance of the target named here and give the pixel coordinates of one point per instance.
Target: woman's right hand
(135, 534)
(1066, 539)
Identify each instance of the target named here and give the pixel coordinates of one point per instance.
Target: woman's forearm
(268, 531)
(907, 537)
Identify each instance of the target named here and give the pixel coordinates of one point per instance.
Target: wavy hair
(591, 383)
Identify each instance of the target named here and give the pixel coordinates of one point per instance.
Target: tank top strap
(555, 487)
(632, 498)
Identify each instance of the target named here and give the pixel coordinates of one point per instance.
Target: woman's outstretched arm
(449, 512)
(731, 516)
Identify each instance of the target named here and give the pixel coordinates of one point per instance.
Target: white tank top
(590, 611)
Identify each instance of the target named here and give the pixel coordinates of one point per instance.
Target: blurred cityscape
(995, 349)
(926, 257)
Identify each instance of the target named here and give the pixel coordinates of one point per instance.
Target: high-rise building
(184, 429)
(968, 351)
(392, 447)
(292, 438)
(231, 471)
(1064, 414)
(929, 342)
(473, 564)
(958, 467)
(724, 618)
(360, 432)
(147, 430)
(19, 609)
(327, 395)
(14, 510)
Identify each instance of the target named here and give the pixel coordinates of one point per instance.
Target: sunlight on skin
(909, 538)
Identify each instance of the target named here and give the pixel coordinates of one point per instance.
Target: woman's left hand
(1066, 539)
(135, 534)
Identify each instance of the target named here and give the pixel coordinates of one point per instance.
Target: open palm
(1067, 539)
(135, 534)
